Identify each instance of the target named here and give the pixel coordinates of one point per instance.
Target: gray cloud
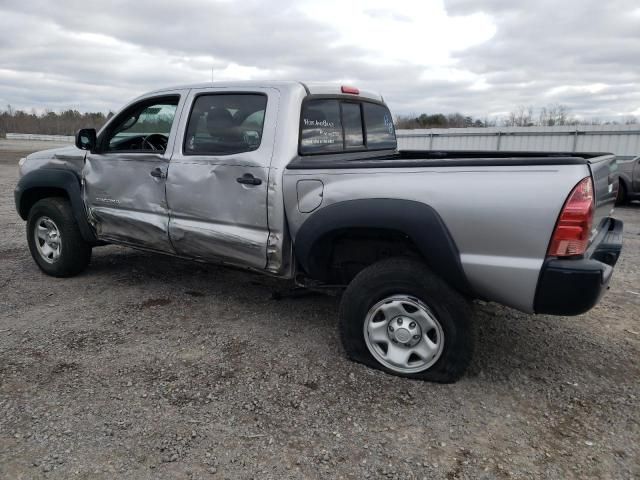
(98, 55)
(582, 53)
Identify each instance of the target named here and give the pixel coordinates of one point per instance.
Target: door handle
(249, 179)
(158, 173)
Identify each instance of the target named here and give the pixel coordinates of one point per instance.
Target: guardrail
(39, 137)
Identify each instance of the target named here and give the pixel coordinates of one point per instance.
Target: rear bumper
(574, 286)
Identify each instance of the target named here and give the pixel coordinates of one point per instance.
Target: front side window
(223, 124)
(336, 125)
(143, 127)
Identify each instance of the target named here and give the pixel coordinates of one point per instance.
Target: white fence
(623, 140)
(46, 138)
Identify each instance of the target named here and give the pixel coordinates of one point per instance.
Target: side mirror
(86, 139)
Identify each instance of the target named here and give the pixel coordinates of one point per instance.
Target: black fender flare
(418, 221)
(59, 179)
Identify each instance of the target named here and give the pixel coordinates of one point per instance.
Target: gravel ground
(151, 367)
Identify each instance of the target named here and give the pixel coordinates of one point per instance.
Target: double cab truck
(305, 182)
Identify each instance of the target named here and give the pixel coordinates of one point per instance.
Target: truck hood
(58, 153)
(68, 158)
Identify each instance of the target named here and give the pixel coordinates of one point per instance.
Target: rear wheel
(397, 316)
(54, 238)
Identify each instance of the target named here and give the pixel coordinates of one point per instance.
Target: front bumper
(574, 286)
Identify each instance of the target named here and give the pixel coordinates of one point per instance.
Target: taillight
(571, 236)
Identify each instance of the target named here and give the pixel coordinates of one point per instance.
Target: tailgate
(605, 184)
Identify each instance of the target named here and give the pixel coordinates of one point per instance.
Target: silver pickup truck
(305, 182)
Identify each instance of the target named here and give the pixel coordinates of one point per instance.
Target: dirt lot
(150, 367)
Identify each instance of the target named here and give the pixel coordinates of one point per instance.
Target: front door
(124, 180)
(219, 174)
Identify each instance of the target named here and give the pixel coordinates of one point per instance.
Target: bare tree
(520, 117)
(556, 114)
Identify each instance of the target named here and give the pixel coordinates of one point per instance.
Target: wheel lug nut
(394, 340)
(416, 337)
(412, 325)
(391, 328)
(399, 321)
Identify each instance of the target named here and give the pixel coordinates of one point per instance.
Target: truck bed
(500, 207)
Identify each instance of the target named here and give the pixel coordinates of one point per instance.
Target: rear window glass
(333, 126)
(352, 122)
(321, 127)
(380, 131)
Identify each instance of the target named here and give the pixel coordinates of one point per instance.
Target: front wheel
(54, 238)
(399, 317)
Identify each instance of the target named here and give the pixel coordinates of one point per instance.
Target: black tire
(74, 252)
(621, 198)
(408, 276)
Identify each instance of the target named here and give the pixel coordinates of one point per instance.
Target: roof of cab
(313, 88)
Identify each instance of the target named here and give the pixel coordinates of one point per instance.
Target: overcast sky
(479, 57)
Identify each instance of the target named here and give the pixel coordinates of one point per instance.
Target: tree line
(66, 122)
(522, 116)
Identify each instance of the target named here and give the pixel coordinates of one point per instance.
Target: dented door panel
(124, 202)
(212, 215)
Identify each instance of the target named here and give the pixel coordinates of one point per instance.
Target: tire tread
(409, 273)
(76, 252)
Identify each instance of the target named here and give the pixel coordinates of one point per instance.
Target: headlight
(21, 161)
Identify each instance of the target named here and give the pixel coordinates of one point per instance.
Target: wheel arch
(49, 182)
(422, 227)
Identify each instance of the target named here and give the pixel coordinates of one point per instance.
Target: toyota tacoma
(305, 182)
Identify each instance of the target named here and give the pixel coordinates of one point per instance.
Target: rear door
(124, 180)
(218, 176)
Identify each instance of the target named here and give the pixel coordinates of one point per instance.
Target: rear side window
(334, 126)
(224, 124)
(380, 131)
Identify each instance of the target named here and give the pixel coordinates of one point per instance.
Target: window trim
(209, 94)
(148, 101)
(343, 99)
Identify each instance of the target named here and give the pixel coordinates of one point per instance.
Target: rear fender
(418, 221)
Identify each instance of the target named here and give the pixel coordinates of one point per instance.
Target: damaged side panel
(218, 202)
(124, 202)
(213, 217)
